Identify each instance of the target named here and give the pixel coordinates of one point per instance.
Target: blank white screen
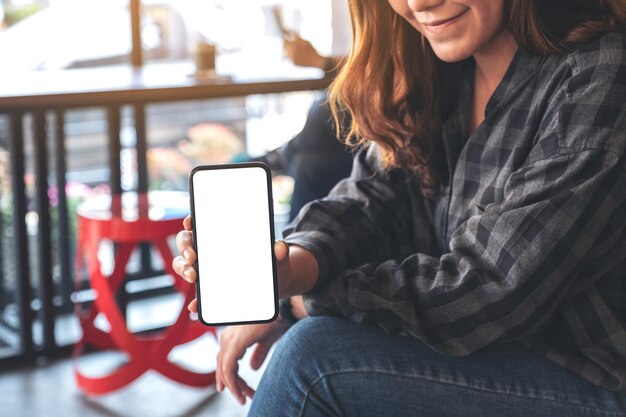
(233, 237)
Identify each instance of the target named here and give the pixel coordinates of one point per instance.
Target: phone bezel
(270, 203)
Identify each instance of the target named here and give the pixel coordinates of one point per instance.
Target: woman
(479, 247)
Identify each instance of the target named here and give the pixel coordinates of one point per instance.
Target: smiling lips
(441, 24)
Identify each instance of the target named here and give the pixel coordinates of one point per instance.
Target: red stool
(128, 220)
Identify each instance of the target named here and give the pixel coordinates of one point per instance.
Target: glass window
(60, 34)
(72, 34)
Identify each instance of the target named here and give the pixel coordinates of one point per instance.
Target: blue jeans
(326, 366)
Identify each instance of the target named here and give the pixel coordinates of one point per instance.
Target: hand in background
(303, 54)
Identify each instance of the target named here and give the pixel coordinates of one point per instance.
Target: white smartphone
(233, 234)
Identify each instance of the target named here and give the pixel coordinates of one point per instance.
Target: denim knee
(299, 361)
(301, 347)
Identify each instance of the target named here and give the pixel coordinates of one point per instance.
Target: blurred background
(67, 48)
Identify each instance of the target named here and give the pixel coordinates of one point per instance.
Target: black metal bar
(115, 181)
(115, 147)
(46, 289)
(63, 226)
(142, 172)
(142, 148)
(23, 289)
(135, 23)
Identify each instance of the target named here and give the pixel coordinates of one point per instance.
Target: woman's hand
(234, 342)
(297, 273)
(302, 53)
(183, 263)
(296, 267)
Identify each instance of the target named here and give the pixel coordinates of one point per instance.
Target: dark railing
(43, 99)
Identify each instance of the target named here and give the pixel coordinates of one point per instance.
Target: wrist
(328, 64)
(286, 313)
(322, 62)
(303, 271)
(297, 307)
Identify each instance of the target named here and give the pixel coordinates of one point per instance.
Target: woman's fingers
(187, 222)
(193, 306)
(229, 373)
(245, 390)
(183, 264)
(184, 244)
(184, 269)
(259, 354)
(219, 385)
(242, 391)
(234, 342)
(232, 349)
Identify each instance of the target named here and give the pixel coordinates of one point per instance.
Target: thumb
(187, 222)
(281, 251)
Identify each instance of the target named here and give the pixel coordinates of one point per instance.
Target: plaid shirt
(527, 243)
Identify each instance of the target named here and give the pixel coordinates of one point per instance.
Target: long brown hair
(398, 92)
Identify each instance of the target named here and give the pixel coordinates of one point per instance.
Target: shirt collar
(522, 67)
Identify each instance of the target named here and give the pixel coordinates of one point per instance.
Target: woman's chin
(451, 53)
